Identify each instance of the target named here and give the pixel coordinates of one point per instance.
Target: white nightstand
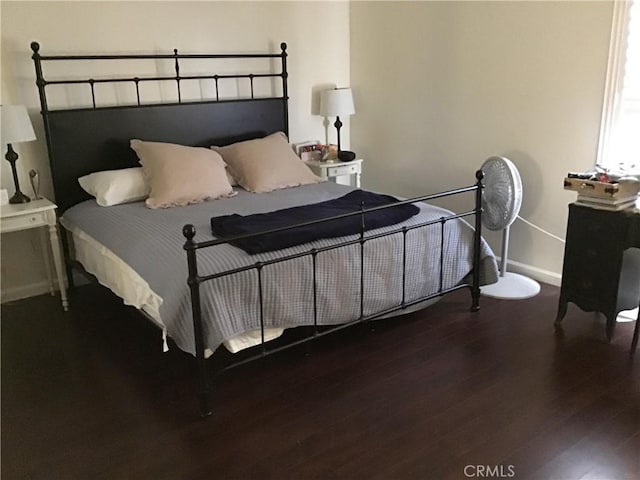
(330, 170)
(34, 214)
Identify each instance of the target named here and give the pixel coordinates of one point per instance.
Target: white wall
(441, 86)
(317, 34)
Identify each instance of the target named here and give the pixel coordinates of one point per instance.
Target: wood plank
(89, 394)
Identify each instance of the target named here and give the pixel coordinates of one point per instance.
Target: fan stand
(511, 286)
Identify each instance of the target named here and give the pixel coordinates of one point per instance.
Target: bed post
(189, 231)
(477, 237)
(285, 89)
(44, 111)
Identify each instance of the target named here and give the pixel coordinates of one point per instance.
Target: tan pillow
(180, 175)
(266, 164)
(232, 181)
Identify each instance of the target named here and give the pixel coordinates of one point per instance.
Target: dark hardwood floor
(440, 394)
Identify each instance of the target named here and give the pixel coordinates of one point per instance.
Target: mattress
(149, 242)
(115, 274)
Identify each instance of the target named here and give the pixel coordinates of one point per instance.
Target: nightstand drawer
(23, 222)
(332, 171)
(597, 225)
(343, 170)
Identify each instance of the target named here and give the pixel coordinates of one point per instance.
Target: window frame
(614, 81)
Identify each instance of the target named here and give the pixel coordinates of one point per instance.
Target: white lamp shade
(336, 102)
(16, 125)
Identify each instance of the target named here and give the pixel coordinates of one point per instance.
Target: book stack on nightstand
(611, 204)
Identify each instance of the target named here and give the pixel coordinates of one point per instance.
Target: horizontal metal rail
(160, 105)
(425, 198)
(160, 78)
(168, 56)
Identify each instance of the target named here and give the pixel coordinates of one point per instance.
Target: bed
(206, 292)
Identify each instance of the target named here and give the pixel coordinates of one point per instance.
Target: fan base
(512, 286)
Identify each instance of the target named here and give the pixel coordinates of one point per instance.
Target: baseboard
(539, 274)
(34, 289)
(26, 291)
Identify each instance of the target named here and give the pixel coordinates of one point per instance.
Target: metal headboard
(88, 139)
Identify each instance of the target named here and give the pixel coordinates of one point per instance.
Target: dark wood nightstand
(601, 272)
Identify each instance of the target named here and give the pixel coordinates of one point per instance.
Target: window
(619, 143)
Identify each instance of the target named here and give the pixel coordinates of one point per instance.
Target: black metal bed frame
(66, 173)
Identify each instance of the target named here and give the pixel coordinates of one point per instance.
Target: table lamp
(16, 128)
(336, 102)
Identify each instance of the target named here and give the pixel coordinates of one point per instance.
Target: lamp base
(346, 155)
(19, 197)
(12, 158)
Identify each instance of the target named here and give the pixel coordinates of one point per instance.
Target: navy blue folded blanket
(233, 225)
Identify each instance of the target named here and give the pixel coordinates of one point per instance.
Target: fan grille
(502, 195)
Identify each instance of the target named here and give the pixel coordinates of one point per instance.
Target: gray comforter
(151, 241)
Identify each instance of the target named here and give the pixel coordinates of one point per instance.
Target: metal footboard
(195, 279)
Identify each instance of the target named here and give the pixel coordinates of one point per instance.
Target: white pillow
(113, 187)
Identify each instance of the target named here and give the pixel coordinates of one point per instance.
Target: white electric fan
(501, 201)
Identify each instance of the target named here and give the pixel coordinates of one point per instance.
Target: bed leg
(67, 258)
(477, 243)
(475, 300)
(189, 232)
(204, 395)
